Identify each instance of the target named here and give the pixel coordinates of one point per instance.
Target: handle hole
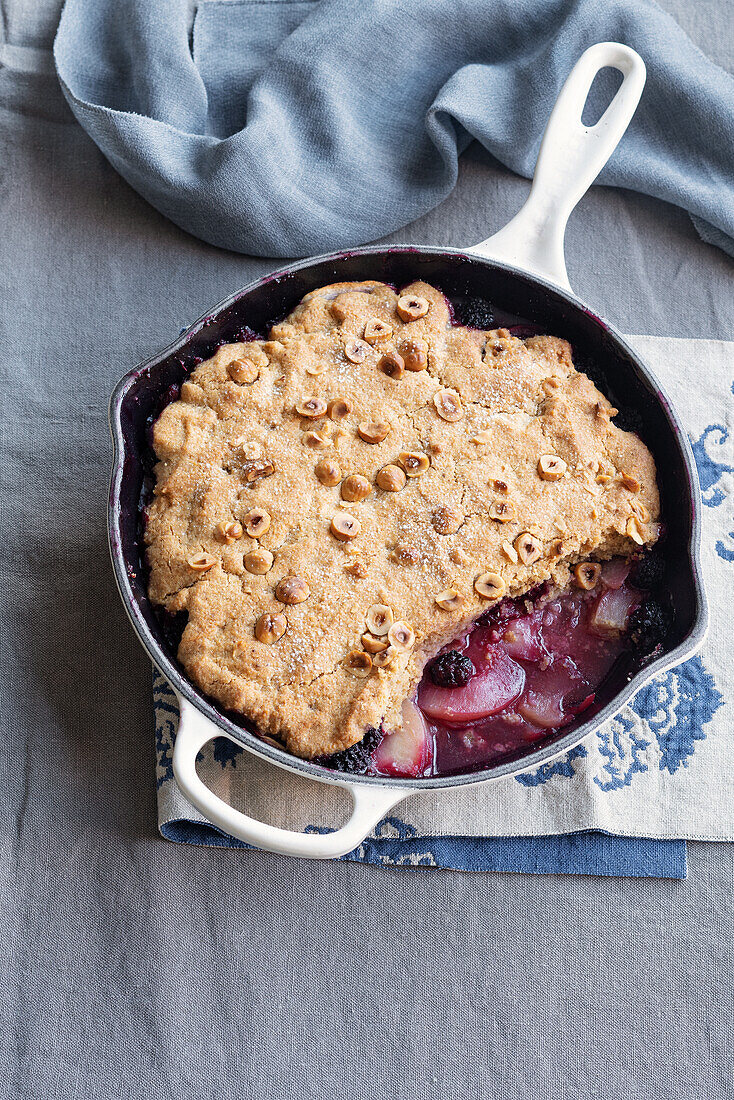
(604, 87)
(269, 794)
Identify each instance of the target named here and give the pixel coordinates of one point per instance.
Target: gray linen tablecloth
(133, 968)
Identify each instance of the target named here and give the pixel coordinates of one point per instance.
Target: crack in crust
(523, 398)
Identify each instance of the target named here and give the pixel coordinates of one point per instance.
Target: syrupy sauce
(538, 665)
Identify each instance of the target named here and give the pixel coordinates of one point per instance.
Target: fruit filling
(519, 676)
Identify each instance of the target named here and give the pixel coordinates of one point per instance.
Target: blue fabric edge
(590, 852)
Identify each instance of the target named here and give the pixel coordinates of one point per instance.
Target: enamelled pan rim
(280, 757)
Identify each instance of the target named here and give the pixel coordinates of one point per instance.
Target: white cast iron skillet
(522, 269)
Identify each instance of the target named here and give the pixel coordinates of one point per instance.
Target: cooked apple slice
(407, 750)
(497, 682)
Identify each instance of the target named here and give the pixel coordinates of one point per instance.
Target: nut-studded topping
(257, 522)
(392, 365)
(501, 510)
(358, 663)
(312, 407)
(635, 531)
(257, 468)
(243, 371)
(391, 478)
(328, 472)
(356, 569)
(446, 520)
(200, 562)
(529, 548)
(414, 463)
(258, 561)
(339, 408)
(338, 308)
(448, 405)
(510, 552)
(269, 628)
(292, 590)
(385, 658)
(379, 619)
(490, 586)
(410, 307)
(355, 488)
(373, 644)
(317, 441)
(415, 354)
(401, 636)
(356, 351)
(377, 330)
(450, 600)
(551, 467)
(344, 527)
(630, 483)
(587, 574)
(373, 431)
(229, 532)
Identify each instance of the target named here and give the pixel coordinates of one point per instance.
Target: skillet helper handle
(370, 803)
(571, 157)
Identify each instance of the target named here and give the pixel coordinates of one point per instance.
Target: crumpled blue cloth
(292, 127)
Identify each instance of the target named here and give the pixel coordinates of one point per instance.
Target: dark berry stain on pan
(517, 302)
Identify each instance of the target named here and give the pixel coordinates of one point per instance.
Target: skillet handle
(370, 804)
(571, 157)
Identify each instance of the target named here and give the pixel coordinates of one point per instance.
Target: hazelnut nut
(338, 409)
(373, 431)
(379, 619)
(450, 600)
(292, 590)
(358, 663)
(328, 472)
(401, 636)
(490, 586)
(377, 330)
(230, 532)
(311, 407)
(200, 562)
(551, 467)
(501, 510)
(392, 365)
(415, 354)
(373, 644)
(258, 561)
(448, 405)
(355, 488)
(344, 527)
(243, 371)
(391, 478)
(446, 520)
(269, 628)
(410, 307)
(529, 548)
(634, 531)
(414, 463)
(356, 351)
(257, 522)
(587, 574)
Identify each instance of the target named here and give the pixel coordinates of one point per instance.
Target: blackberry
(474, 312)
(452, 669)
(355, 760)
(649, 624)
(647, 572)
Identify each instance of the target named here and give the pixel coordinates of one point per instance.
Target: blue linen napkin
(292, 127)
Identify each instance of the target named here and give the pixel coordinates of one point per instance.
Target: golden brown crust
(481, 416)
